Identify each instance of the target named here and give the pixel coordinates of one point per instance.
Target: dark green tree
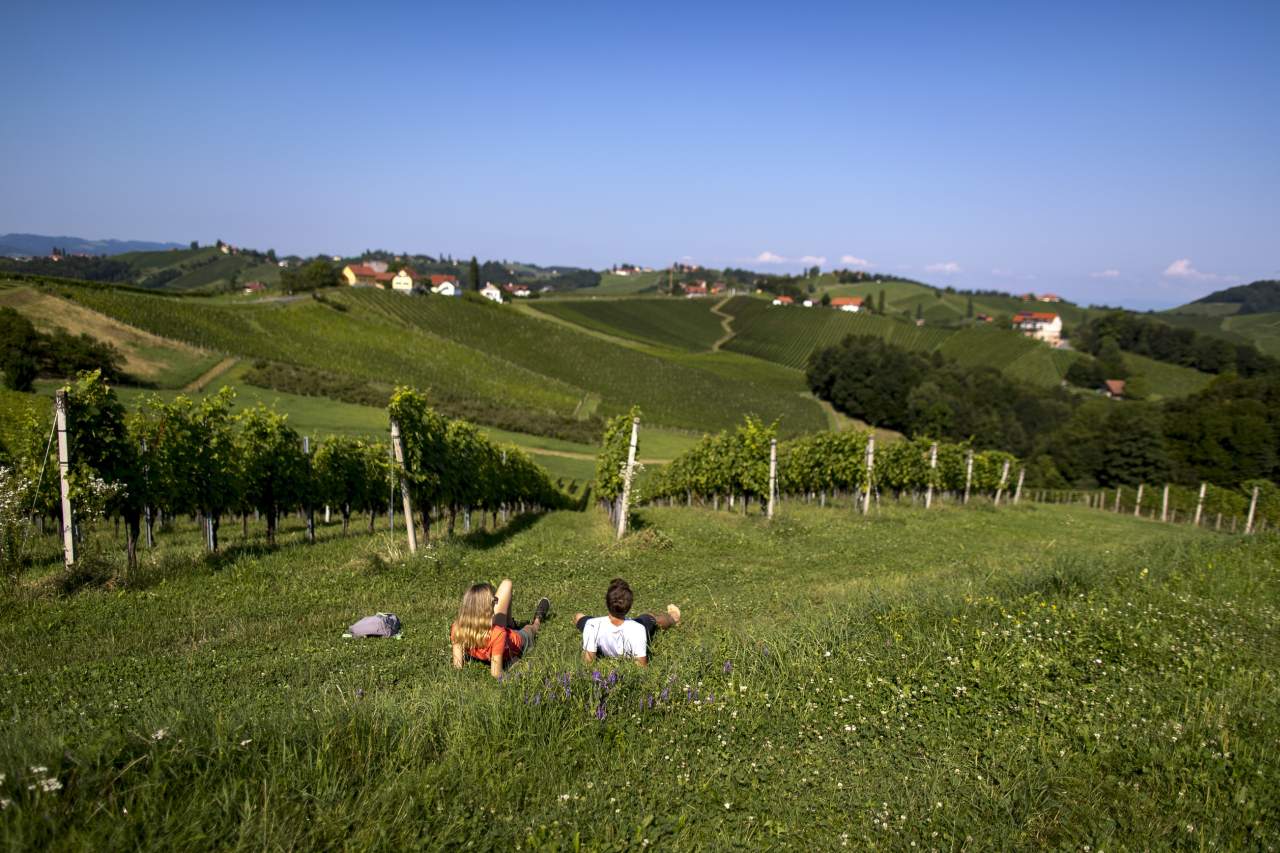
(475, 273)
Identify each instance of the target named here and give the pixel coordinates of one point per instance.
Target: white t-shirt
(602, 637)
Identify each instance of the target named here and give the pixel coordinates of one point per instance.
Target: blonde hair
(475, 616)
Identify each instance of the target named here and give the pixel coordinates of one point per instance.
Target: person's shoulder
(596, 622)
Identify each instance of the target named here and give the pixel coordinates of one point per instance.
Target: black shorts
(649, 622)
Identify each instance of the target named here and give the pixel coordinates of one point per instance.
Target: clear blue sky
(1113, 152)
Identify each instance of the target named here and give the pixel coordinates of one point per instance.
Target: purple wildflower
(711, 697)
(728, 667)
(600, 713)
(665, 694)
(613, 678)
(595, 676)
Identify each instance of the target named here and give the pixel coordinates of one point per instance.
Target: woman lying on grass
(485, 632)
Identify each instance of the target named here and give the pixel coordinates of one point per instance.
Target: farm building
(1040, 325)
(517, 290)
(373, 274)
(1113, 388)
(696, 289)
(1050, 297)
(252, 287)
(852, 304)
(783, 300)
(491, 293)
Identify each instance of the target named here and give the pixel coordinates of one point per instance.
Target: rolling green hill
(487, 362)
(612, 284)
(789, 335)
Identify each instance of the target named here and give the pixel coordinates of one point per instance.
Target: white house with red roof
(1050, 297)
(445, 285)
(404, 281)
(493, 294)
(852, 304)
(695, 289)
(1041, 325)
(783, 300)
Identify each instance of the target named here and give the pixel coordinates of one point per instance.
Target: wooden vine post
(871, 467)
(1004, 479)
(1137, 502)
(773, 475)
(1119, 490)
(311, 510)
(1017, 492)
(64, 468)
(397, 448)
(1200, 503)
(625, 507)
(968, 475)
(1248, 524)
(391, 496)
(1164, 504)
(933, 473)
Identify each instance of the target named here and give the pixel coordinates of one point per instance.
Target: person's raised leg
(503, 596)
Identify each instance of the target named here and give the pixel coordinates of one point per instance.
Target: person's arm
(495, 666)
(458, 655)
(588, 657)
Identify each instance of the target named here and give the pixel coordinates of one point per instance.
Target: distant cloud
(805, 260)
(1182, 268)
(947, 267)
(853, 261)
(1108, 274)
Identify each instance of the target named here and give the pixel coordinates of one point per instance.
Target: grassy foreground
(1038, 676)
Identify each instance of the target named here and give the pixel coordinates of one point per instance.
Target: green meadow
(1030, 677)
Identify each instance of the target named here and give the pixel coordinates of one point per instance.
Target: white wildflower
(159, 734)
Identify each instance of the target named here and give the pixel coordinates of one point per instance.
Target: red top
(501, 641)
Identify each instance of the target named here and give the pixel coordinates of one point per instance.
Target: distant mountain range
(16, 245)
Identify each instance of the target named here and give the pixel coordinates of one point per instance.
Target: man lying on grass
(616, 636)
(485, 632)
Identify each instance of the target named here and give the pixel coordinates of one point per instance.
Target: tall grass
(1034, 677)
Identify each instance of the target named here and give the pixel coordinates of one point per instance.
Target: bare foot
(674, 613)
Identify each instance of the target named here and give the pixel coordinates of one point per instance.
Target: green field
(1263, 330)
(937, 306)
(1039, 677)
(612, 284)
(686, 324)
(1167, 380)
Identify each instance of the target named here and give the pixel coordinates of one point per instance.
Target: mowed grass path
(1039, 676)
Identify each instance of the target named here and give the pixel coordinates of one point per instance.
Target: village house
(405, 281)
(444, 285)
(1113, 388)
(491, 293)
(808, 303)
(252, 287)
(372, 274)
(696, 289)
(783, 300)
(519, 291)
(852, 304)
(1039, 325)
(717, 288)
(1050, 297)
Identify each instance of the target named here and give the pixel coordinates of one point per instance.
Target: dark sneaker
(540, 612)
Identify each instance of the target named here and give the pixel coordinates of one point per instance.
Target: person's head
(475, 615)
(618, 599)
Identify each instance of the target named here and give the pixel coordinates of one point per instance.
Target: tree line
(1228, 434)
(26, 353)
(1175, 345)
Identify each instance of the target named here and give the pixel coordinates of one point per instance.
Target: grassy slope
(361, 344)
(1167, 380)
(789, 335)
(670, 392)
(1262, 329)
(147, 357)
(680, 323)
(938, 306)
(1041, 677)
(625, 285)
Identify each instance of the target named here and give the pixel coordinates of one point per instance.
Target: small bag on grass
(378, 625)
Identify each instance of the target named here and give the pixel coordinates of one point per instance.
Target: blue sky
(1117, 153)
